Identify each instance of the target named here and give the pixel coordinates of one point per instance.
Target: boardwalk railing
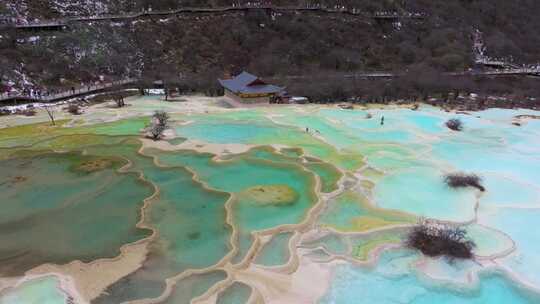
(379, 75)
(86, 90)
(72, 93)
(127, 16)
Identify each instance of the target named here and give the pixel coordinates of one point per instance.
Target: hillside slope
(267, 43)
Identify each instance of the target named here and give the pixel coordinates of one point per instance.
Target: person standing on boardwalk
(382, 120)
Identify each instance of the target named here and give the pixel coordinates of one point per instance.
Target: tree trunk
(51, 116)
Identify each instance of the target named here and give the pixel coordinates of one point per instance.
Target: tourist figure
(73, 90)
(382, 120)
(307, 130)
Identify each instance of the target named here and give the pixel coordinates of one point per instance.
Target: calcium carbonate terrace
(276, 204)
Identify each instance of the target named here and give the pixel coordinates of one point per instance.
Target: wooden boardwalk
(87, 90)
(535, 72)
(69, 94)
(62, 23)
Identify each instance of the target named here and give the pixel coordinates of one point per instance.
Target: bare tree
(161, 117)
(119, 99)
(50, 111)
(156, 131)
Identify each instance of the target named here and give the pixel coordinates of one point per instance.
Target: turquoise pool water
(422, 191)
(93, 210)
(37, 291)
(276, 252)
(236, 293)
(194, 286)
(394, 281)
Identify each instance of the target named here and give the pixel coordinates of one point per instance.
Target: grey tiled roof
(241, 84)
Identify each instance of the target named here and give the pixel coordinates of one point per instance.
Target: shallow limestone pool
(265, 204)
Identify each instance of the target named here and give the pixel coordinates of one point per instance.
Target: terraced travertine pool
(293, 204)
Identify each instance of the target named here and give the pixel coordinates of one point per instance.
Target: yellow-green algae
(364, 246)
(328, 174)
(30, 134)
(352, 212)
(269, 195)
(25, 135)
(292, 152)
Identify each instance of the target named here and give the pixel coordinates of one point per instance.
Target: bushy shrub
(161, 118)
(159, 123)
(156, 131)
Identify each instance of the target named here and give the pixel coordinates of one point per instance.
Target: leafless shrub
(119, 99)
(454, 124)
(461, 180)
(74, 109)
(156, 131)
(435, 239)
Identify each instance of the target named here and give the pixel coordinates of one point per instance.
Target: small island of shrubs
(461, 180)
(436, 240)
(454, 124)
